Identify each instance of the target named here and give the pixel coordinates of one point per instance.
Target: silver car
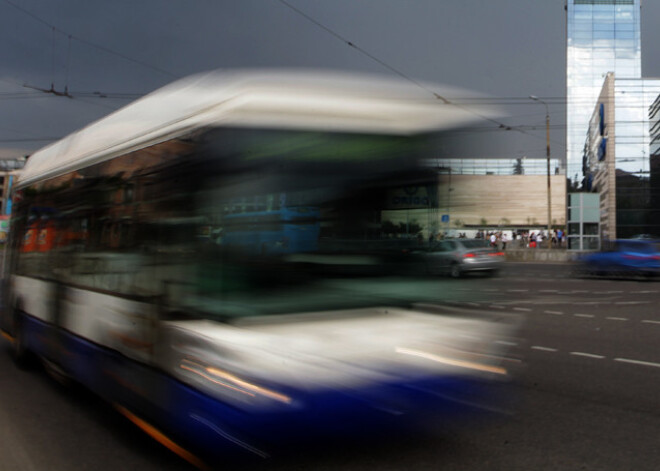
(456, 257)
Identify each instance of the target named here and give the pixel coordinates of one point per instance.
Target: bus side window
(30, 238)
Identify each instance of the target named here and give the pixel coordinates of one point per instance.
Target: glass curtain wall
(654, 116)
(520, 166)
(636, 207)
(602, 36)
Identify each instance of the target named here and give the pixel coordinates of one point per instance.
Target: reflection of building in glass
(654, 164)
(583, 221)
(602, 36)
(617, 154)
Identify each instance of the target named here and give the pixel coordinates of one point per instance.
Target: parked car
(623, 257)
(456, 257)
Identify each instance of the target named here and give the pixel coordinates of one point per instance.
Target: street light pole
(547, 153)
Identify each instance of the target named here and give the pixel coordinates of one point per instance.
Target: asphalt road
(586, 399)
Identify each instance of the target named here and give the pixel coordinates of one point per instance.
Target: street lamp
(547, 153)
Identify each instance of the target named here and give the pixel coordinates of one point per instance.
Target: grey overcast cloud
(106, 54)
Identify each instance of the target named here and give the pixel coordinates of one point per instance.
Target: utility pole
(547, 154)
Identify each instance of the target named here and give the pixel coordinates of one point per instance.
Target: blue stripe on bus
(216, 429)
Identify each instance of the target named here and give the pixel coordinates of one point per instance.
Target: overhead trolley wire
(90, 43)
(398, 72)
(29, 139)
(363, 51)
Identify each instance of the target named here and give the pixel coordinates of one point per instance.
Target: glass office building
(636, 186)
(602, 36)
(622, 165)
(633, 98)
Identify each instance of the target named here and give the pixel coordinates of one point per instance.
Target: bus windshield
(308, 223)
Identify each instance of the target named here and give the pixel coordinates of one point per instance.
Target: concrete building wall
(488, 201)
(519, 200)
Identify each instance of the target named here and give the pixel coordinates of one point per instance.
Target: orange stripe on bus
(162, 439)
(7, 336)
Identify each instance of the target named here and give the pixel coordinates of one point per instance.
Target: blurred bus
(199, 259)
(284, 229)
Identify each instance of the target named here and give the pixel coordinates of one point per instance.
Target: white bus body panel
(118, 323)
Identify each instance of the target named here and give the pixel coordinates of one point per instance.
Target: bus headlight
(229, 386)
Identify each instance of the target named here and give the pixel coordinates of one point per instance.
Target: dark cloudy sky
(508, 49)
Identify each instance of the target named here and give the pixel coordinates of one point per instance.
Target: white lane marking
(524, 309)
(643, 292)
(584, 315)
(651, 322)
(473, 304)
(556, 313)
(579, 291)
(590, 303)
(617, 318)
(588, 355)
(638, 362)
(544, 349)
(548, 291)
(632, 302)
(505, 342)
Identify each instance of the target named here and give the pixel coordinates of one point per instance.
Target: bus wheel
(58, 374)
(20, 352)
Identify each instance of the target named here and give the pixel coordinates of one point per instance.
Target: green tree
(518, 168)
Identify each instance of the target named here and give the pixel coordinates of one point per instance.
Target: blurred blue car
(624, 257)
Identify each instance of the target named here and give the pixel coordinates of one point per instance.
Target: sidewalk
(558, 255)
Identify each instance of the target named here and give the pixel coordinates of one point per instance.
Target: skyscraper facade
(602, 36)
(608, 126)
(622, 157)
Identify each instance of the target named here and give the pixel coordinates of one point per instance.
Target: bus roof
(275, 99)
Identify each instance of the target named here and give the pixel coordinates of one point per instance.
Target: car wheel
(455, 270)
